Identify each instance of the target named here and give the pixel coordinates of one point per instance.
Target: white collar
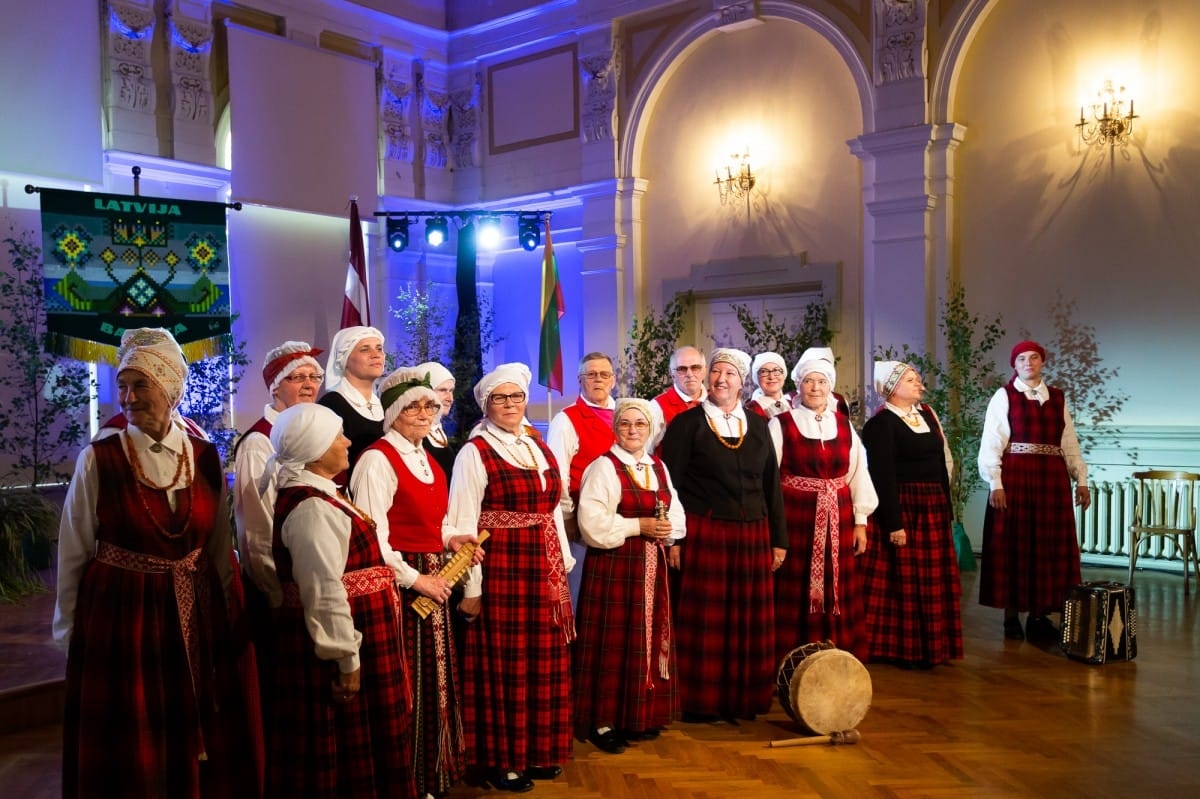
(738, 412)
(609, 403)
(627, 457)
(686, 398)
(402, 444)
(172, 442)
(356, 399)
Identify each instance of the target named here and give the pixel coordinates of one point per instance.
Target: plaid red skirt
(1031, 550)
(913, 592)
(725, 619)
(619, 679)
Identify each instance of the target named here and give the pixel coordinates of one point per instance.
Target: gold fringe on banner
(205, 348)
(81, 349)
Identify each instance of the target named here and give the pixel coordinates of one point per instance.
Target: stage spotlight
(436, 231)
(529, 232)
(487, 233)
(397, 234)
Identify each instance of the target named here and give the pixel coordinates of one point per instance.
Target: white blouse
(600, 492)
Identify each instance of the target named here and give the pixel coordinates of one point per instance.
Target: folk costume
(160, 687)
(624, 665)
(438, 443)
(362, 417)
(825, 354)
(340, 612)
(827, 490)
(1029, 448)
(399, 485)
(760, 403)
(913, 591)
(728, 482)
(516, 663)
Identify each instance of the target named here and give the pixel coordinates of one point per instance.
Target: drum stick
(833, 739)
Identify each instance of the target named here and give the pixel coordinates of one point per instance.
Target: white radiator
(1104, 531)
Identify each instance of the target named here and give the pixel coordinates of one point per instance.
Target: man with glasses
(687, 391)
(577, 436)
(293, 375)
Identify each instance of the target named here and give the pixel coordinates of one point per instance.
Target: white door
(717, 323)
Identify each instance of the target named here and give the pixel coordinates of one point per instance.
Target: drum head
(830, 691)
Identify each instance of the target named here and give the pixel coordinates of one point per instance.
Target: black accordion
(1099, 623)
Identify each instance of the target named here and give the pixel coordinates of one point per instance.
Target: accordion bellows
(1100, 623)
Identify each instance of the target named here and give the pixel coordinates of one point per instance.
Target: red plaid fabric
(516, 663)
(725, 619)
(362, 748)
(624, 662)
(415, 532)
(135, 723)
(841, 616)
(1031, 551)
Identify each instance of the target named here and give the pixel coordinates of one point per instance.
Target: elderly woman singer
(721, 463)
(828, 494)
(629, 517)
(769, 373)
(342, 701)
(437, 441)
(516, 667)
(403, 488)
(911, 571)
(145, 583)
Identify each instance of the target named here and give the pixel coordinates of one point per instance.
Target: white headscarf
(887, 376)
(438, 374)
(761, 360)
(301, 434)
(815, 359)
(517, 373)
(344, 342)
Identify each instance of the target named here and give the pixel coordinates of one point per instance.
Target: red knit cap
(1026, 346)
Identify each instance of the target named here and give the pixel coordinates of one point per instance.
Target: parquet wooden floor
(1010, 720)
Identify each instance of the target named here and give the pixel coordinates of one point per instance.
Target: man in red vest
(687, 391)
(577, 436)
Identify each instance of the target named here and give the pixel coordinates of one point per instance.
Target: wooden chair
(1165, 505)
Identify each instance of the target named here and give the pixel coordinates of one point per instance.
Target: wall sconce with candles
(1111, 119)
(738, 180)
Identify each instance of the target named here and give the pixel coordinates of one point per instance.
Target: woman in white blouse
(516, 661)
(341, 710)
(828, 495)
(402, 487)
(629, 517)
(356, 361)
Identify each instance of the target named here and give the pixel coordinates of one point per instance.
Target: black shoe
(1012, 629)
(1040, 628)
(641, 735)
(543, 772)
(505, 780)
(607, 741)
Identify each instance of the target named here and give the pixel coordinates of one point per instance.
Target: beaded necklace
(142, 482)
(532, 465)
(741, 436)
(438, 436)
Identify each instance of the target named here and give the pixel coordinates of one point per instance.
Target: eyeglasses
(683, 370)
(597, 375)
(516, 398)
(296, 379)
(776, 372)
(625, 425)
(419, 407)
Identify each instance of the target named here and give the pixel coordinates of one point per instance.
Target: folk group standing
(648, 561)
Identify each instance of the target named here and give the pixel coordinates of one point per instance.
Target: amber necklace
(142, 482)
(438, 436)
(741, 436)
(342, 497)
(532, 465)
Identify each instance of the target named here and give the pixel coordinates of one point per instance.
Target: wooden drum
(824, 688)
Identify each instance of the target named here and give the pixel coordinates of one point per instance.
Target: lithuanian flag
(550, 371)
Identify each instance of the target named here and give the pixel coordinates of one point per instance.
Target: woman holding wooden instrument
(402, 487)
(516, 664)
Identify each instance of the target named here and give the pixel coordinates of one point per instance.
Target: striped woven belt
(826, 530)
(1034, 449)
(357, 583)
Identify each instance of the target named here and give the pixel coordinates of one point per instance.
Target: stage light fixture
(529, 232)
(436, 231)
(487, 232)
(397, 234)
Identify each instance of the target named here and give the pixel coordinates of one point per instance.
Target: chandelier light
(1108, 121)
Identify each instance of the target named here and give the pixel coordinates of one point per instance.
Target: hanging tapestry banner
(114, 261)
